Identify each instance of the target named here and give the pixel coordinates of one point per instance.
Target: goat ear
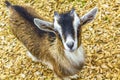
(44, 25)
(88, 17)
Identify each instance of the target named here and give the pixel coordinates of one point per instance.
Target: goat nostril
(70, 45)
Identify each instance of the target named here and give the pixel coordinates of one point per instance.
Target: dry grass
(101, 40)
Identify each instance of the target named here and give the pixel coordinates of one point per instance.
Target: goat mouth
(71, 50)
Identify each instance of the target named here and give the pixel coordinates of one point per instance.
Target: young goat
(57, 43)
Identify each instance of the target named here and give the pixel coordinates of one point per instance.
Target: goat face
(67, 26)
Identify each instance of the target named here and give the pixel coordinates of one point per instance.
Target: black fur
(24, 13)
(66, 22)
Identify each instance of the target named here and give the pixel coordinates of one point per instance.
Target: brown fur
(40, 46)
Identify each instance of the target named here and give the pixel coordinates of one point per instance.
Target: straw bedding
(100, 38)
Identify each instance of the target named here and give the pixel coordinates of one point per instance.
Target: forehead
(66, 23)
(65, 19)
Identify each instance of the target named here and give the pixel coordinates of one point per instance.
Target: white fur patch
(74, 76)
(69, 39)
(77, 56)
(76, 23)
(76, 20)
(32, 57)
(57, 26)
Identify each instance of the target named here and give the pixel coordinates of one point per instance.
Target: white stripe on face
(76, 24)
(57, 26)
